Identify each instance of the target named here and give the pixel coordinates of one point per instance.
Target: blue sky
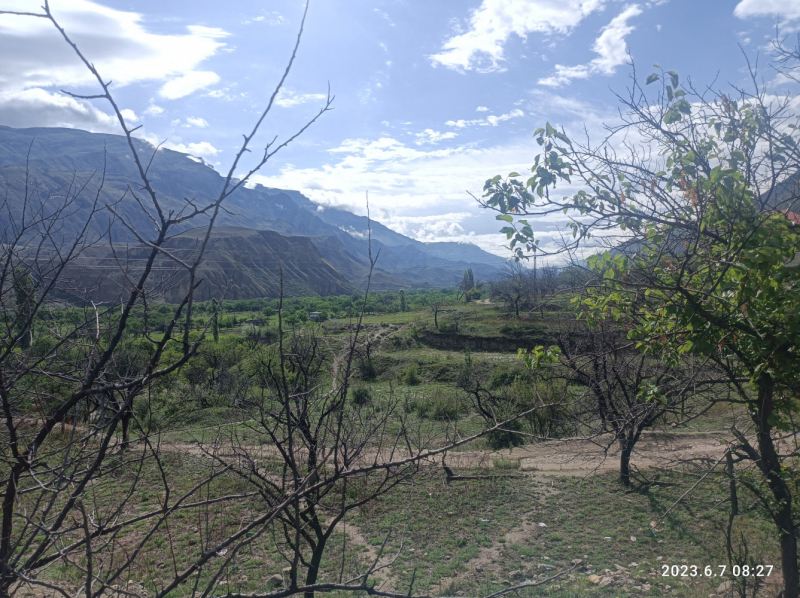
(432, 97)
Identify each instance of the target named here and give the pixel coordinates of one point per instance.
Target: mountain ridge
(59, 157)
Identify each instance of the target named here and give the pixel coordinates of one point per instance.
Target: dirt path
(577, 457)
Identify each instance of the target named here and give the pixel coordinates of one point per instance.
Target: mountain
(62, 159)
(239, 263)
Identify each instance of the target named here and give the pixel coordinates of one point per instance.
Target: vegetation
(527, 434)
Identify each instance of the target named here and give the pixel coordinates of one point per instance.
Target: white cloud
(490, 120)
(786, 9)
(610, 47)
(198, 122)
(38, 108)
(153, 110)
(129, 115)
(35, 55)
(431, 136)
(481, 47)
(204, 148)
(481, 109)
(288, 98)
(187, 84)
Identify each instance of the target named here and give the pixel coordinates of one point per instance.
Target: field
(497, 518)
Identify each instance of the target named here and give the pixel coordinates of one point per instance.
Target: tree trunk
(770, 466)
(313, 567)
(626, 448)
(7, 576)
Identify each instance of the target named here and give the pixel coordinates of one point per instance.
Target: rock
(286, 570)
(505, 582)
(275, 580)
(595, 578)
(542, 524)
(724, 586)
(605, 581)
(516, 575)
(576, 562)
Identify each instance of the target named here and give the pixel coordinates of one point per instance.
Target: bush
(440, 405)
(507, 438)
(361, 395)
(367, 369)
(409, 376)
(505, 376)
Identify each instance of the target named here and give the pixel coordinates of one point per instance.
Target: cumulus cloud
(431, 136)
(610, 48)
(35, 55)
(288, 98)
(38, 108)
(153, 110)
(492, 120)
(786, 9)
(187, 84)
(481, 109)
(481, 47)
(193, 121)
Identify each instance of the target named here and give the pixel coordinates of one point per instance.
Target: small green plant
(367, 369)
(506, 463)
(409, 375)
(361, 395)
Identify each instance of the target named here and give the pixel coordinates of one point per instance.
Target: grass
(466, 537)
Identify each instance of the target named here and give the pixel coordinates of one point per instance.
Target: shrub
(367, 369)
(440, 405)
(409, 375)
(506, 438)
(361, 395)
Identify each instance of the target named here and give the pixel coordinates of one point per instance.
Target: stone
(275, 580)
(595, 578)
(605, 581)
(724, 586)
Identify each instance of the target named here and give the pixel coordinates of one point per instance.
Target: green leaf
(674, 77)
(513, 174)
(505, 217)
(652, 78)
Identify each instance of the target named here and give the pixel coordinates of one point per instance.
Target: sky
(431, 97)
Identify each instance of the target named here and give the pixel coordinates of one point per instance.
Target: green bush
(367, 369)
(361, 395)
(505, 376)
(438, 405)
(506, 438)
(409, 376)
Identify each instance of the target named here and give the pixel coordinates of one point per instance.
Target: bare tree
(625, 391)
(51, 480)
(514, 287)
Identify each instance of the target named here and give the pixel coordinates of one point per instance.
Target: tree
(625, 391)
(700, 208)
(514, 287)
(51, 482)
(215, 320)
(437, 301)
(403, 301)
(24, 301)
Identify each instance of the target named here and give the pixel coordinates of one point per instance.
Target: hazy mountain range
(323, 251)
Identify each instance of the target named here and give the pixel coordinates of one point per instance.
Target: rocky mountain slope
(332, 240)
